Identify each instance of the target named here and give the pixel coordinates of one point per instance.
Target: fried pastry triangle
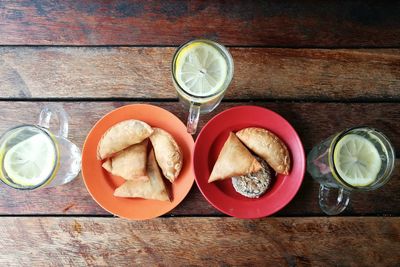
(130, 163)
(233, 160)
(153, 188)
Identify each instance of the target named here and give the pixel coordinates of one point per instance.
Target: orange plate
(101, 184)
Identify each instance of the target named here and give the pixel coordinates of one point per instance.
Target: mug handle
(193, 118)
(327, 203)
(45, 116)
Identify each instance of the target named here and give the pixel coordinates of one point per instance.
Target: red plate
(221, 194)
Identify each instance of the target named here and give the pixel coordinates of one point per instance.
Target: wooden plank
(73, 199)
(351, 241)
(273, 23)
(260, 73)
(313, 121)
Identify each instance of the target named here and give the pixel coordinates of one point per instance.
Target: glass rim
(225, 53)
(51, 176)
(385, 177)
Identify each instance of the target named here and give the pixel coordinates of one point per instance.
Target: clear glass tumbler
(32, 157)
(205, 101)
(355, 146)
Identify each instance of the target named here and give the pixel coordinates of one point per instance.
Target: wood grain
(272, 23)
(313, 121)
(260, 73)
(351, 241)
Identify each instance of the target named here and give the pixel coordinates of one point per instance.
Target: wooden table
(323, 66)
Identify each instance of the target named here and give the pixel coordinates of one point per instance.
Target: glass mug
(32, 157)
(332, 164)
(198, 68)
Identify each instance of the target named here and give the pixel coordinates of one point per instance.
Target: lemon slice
(200, 69)
(357, 160)
(30, 162)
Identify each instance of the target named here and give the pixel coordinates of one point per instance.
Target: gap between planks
(175, 100)
(171, 216)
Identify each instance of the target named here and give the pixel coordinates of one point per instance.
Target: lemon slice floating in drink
(30, 162)
(201, 69)
(357, 160)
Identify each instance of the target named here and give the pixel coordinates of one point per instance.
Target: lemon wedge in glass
(357, 160)
(200, 69)
(31, 162)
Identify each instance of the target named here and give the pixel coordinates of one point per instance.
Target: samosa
(153, 188)
(268, 146)
(130, 163)
(121, 136)
(233, 160)
(168, 153)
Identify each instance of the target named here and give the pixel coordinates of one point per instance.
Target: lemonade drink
(202, 71)
(28, 157)
(358, 159)
(31, 157)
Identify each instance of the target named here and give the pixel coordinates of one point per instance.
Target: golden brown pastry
(268, 146)
(168, 154)
(130, 163)
(121, 136)
(233, 160)
(153, 188)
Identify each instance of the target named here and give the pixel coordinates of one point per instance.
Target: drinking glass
(334, 192)
(204, 103)
(67, 155)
